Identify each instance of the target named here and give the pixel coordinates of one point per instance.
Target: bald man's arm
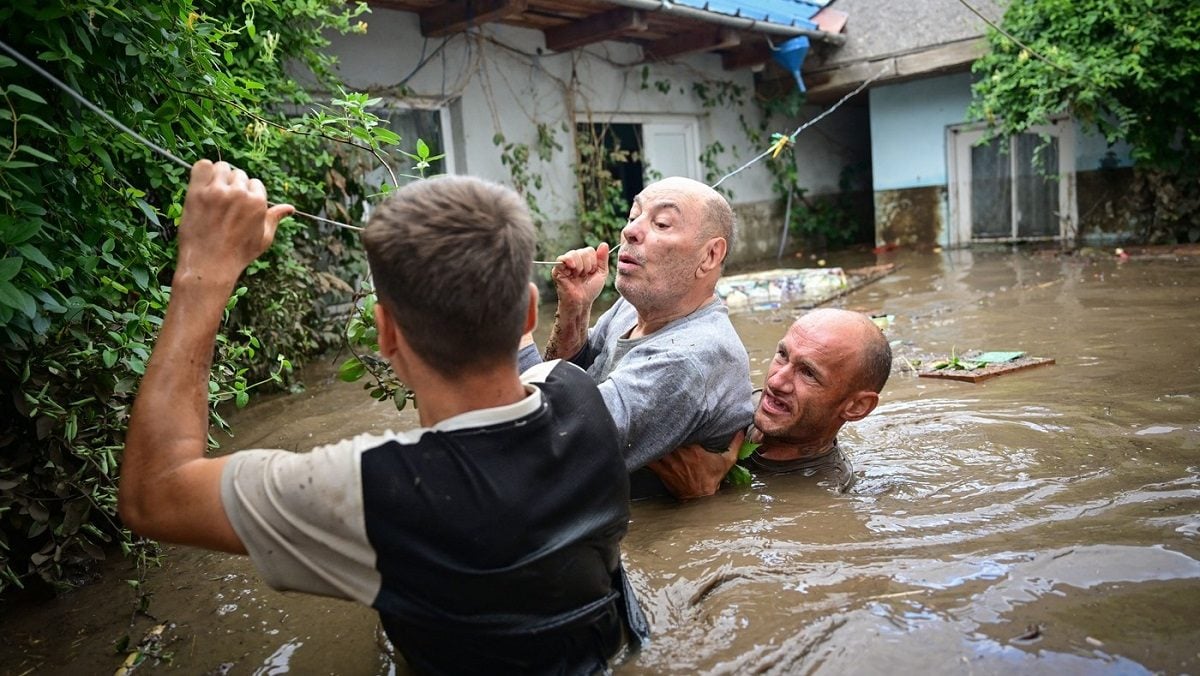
(693, 471)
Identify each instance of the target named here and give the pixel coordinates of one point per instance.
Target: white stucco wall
(495, 82)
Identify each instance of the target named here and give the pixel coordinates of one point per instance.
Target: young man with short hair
(488, 539)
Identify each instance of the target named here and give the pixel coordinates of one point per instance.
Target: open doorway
(615, 152)
(618, 158)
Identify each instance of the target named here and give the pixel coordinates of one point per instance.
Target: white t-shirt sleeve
(300, 516)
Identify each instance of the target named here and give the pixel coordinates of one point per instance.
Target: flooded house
(524, 92)
(1046, 522)
(517, 91)
(934, 179)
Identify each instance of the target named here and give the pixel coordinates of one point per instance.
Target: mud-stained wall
(758, 228)
(760, 225)
(1103, 201)
(910, 216)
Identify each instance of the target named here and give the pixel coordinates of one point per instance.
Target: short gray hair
(719, 220)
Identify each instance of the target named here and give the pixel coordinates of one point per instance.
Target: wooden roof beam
(611, 24)
(691, 43)
(749, 56)
(459, 15)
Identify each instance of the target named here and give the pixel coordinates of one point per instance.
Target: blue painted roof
(787, 12)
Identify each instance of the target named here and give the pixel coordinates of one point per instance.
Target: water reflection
(1043, 522)
(979, 510)
(279, 661)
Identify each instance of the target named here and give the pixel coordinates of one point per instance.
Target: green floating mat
(996, 357)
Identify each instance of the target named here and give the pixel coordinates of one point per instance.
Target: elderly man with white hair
(668, 362)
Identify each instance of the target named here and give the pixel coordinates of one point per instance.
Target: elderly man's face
(661, 246)
(810, 379)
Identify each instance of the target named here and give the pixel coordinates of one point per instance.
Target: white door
(671, 149)
(1015, 188)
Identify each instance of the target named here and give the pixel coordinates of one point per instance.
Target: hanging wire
(1010, 36)
(806, 125)
(136, 136)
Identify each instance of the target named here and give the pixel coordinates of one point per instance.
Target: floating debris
(1032, 633)
(149, 647)
(798, 287)
(979, 366)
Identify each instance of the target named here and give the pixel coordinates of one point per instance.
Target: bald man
(669, 364)
(828, 370)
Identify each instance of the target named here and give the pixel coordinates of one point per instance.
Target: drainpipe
(671, 9)
(787, 222)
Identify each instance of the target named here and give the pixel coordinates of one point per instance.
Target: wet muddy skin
(1041, 522)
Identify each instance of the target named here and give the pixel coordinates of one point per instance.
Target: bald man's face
(811, 378)
(662, 246)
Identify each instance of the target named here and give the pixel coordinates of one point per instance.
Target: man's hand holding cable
(578, 278)
(226, 224)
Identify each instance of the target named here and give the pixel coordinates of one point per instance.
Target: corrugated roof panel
(787, 12)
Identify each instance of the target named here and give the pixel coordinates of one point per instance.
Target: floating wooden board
(1164, 251)
(984, 372)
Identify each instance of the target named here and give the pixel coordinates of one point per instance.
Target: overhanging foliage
(87, 223)
(1129, 69)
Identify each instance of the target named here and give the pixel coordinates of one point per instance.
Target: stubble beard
(643, 295)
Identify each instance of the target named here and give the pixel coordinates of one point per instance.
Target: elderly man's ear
(859, 405)
(714, 254)
(531, 314)
(531, 317)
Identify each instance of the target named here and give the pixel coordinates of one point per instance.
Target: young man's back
(487, 539)
(489, 543)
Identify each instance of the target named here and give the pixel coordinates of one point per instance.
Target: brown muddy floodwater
(1042, 522)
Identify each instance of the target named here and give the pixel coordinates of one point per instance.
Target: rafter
(747, 56)
(611, 24)
(457, 16)
(691, 43)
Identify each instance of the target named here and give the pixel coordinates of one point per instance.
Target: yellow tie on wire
(781, 141)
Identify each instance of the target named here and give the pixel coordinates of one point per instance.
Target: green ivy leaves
(738, 475)
(87, 219)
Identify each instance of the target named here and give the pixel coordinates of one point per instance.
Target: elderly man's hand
(579, 277)
(226, 223)
(694, 472)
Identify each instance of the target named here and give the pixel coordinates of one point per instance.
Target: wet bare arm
(694, 472)
(169, 490)
(578, 279)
